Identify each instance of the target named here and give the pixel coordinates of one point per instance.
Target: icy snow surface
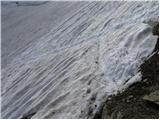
(62, 59)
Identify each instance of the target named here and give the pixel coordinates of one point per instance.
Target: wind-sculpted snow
(70, 71)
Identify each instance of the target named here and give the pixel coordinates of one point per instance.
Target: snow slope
(84, 52)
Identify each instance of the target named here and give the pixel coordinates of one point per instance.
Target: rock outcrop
(140, 100)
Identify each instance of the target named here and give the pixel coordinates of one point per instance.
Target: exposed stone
(153, 97)
(141, 99)
(88, 90)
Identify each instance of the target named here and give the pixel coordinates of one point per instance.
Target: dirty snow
(62, 59)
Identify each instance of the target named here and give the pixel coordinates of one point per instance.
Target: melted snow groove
(70, 71)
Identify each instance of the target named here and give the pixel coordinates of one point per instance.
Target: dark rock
(90, 111)
(156, 29)
(152, 97)
(88, 90)
(28, 115)
(141, 99)
(93, 98)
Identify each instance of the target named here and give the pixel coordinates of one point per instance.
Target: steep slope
(70, 71)
(141, 99)
(25, 23)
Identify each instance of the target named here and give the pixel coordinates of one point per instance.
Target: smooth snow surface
(62, 59)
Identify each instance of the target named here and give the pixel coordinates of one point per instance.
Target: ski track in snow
(91, 51)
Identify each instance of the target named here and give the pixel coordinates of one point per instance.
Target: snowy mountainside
(88, 53)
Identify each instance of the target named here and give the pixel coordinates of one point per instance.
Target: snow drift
(84, 55)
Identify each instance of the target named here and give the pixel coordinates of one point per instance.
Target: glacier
(62, 59)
